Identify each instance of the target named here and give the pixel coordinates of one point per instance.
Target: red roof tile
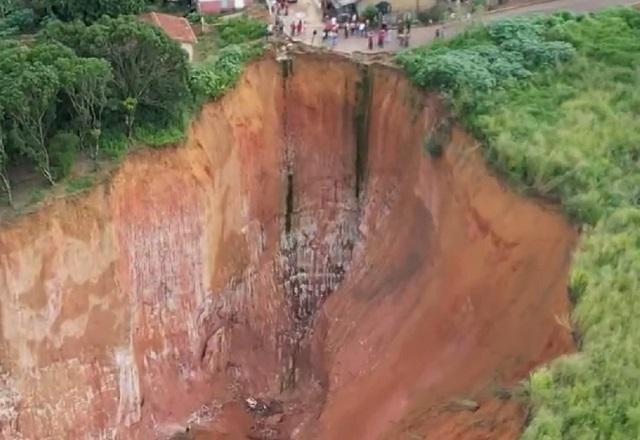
(177, 28)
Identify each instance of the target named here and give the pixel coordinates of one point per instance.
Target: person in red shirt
(299, 30)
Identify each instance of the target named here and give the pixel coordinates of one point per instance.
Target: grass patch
(227, 32)
(114, 145)
(556, 102)
(161, 137)
(212, 78)
(37, 196)
(79, 184)
(239, 30)
(207, 46)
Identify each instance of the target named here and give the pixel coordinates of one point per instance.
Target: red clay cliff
(301, 268)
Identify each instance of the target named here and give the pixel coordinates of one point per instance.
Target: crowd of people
(363, 28)
(374, 34)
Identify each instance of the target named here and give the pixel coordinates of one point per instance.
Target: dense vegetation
(101, 82)
(214, 76)
(150, 70)
(238, 40)
(18, 16)
(556, 101)
(239, 30)
(79, 80)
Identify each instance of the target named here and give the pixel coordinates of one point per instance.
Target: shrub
(114, 144)
(239, 30)
(37, 196)
(17, 21)
(80, 184)
(478, 4)
(434, 14)
(194, 17)
(62, 152)
(212, 78)
(90, 11)
(160, 137)
(485, 59)
(370, 13)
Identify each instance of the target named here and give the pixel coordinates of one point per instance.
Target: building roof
(177, 28)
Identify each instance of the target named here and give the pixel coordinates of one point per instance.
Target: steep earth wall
(301, 268)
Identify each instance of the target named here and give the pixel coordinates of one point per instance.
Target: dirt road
(307, 10)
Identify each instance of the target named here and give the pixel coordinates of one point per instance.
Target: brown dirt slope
(303, 250)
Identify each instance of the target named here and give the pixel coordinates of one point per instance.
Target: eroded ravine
(303, 253)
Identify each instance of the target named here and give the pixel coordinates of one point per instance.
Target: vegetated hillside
(556, 101)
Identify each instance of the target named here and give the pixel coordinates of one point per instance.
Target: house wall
(217, 6)
(209, 7)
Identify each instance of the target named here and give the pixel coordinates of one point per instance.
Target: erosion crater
(327, 257)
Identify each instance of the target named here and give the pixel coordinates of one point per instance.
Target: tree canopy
(97, 80)
(148, 66)
(92, 10)
(80, 79)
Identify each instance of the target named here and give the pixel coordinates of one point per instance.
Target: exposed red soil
(301, 268)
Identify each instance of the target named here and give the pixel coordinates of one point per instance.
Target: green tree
(49, 53)
(147, 65)
(17, 21)
(9, 6)
(92, 10)
(130, 105)
(240, 30)
(370, 13)
(62, 150)
(28, 95)
(84, 81)
(4, 160)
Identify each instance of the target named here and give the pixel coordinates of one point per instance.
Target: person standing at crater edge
(333, 34)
